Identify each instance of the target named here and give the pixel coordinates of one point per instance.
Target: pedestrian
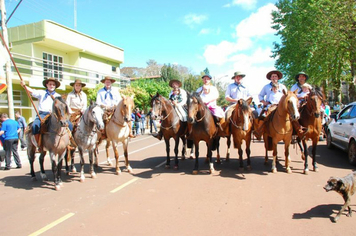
(22, 122)
(143, 122)
(45, 104)
(108, 98)
(10, 129)
(137, 120)
(152, 121)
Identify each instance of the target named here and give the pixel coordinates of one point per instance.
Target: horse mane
(244, 106)
(318, 92)
(195, 95)
(60, 99)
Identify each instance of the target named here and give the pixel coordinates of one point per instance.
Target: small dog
(346, 187)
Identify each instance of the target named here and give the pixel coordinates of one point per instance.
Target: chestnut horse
(310, 117)
(55, 140)
(279, 127)
(171, 126)
(241, 128)
(118, 130)
(202, 128)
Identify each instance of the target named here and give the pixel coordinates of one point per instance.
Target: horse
(118, 130)
(241, 128)
(171, 126)
(201, 128)
(55, 140)
(279, 127)
(86, 136)
(310, 117)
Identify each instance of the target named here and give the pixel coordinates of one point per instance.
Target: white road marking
(53, 224)
(123, 185)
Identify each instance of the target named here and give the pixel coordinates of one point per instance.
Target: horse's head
(314, 99)
(95, 115)
(195, 107)
(243, 113)
(157, 106)
(60, 111)
(290, 103)
(127, 105)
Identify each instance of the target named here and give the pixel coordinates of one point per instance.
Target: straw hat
(109, 78)
(175, 81)
(238, 73)
(279, 74)
(44, 82)
(77, 81)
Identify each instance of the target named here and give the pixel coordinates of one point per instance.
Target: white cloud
(206, 31)
(193, 19)
(246, 4)
(218, 54)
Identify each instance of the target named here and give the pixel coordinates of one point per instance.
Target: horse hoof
(176, 167)
(306, 172)
(34, 179)
(67, 173)
(93, 176)
(82, 180)
(303, 157)
(195, 172)
(212, 171)
(218, 161)
(316, 169)
(191, 157)
(118, 173)
(274, 170)
(249, 168)
(241, 169)
(183, 158)
(265, 163)
(289, 171)
(130, 170)
(109, 163)
(74, 170)
(167, 167)
(58, 187)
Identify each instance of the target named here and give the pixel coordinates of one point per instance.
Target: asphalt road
(159, 201)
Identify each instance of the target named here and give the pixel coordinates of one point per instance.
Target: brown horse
(171, 126)
(55, 140)
(310, 117)
(279, 127)
(118, 130)
(241, 128)
(201, 128)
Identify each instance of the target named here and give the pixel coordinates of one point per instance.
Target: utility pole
(8, 63)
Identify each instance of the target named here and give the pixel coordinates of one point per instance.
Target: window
(52, 66)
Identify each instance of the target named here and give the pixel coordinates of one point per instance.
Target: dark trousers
(21, 137)
(11, 147)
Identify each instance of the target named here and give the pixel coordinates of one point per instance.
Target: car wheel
(328, 140)
(352, 152)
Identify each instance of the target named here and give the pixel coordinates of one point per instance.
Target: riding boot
(158, 135)
(38, 143)
(300, 130)
(130, 134)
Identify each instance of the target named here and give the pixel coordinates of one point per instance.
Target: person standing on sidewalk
(10, 129)
(22, 122)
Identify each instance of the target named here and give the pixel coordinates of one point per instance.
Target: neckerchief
(108, 92)
(239, 86)
(48, 93)
(78, 94)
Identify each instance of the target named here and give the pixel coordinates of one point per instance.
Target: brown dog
(346, 187)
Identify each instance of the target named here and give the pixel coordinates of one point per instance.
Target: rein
(169, 113)
(279, 115)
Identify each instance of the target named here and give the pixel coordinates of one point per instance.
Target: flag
(2, 87)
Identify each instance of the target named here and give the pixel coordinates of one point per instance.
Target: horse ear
(91, 102)
(249, 100)
(123, 96)
(285, 92)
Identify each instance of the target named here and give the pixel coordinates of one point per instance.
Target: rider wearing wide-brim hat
(274, 76)
(45, 102)
(301, 79)
(77, 99)
(237, 89)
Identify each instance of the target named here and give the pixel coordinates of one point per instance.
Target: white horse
(118, 130)
(87, 134)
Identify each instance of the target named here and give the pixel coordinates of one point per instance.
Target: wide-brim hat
(77, 81)
(109, 78)
(175, 81)
(279, 74)
(207, 75)
(44, 82)
(301, 73)
(238, 73)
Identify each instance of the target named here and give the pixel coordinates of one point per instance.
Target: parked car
(342, 131)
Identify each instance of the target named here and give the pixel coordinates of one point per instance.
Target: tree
(91, 93)
(168, 72)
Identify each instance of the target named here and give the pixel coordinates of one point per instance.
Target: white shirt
(274, 98)
(76, 101)
(213, 94)
(267, 90)
(235, 91)
(45, 103)
(104, 98)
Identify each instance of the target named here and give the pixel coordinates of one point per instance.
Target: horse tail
(189, 143)
(215, 143)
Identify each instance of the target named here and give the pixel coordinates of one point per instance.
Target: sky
(222, 35)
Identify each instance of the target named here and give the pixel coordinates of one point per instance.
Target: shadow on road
(320, 211)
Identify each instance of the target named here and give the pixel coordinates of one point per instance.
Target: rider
(108, 98)
(178, 98)
(274, 76)
(45, 103)
(77, 100)
(236, 90)
(209, 94)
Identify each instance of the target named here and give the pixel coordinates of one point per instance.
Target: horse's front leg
(240, 153)
(41, 160)
(210, 158)
(315, 143)
(218, 160)
(168, 159)
(82, 163)
(91, 161)
(305, 153)
(108, 161)
(274, 167)
(228, 143)
(176, 153)
(116, 153)
(266, 142)
(184, 149)
(287, 157)
(57, 185)
(248, 151)
(31, 158)
(196, 163)
(125, 145)
(59, 168)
